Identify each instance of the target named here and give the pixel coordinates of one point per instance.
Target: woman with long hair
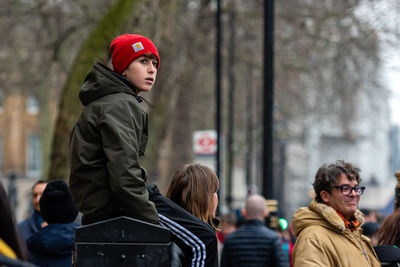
(388, 248)
(194, 187)
(189, 212)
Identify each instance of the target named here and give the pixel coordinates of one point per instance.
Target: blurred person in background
(12, 252)
(253, 244)
(53, 244)
(33, 223)
(388, 248)
(370, 215)
(286, 239)
(329, 229)
(370, 229)
(227, 226)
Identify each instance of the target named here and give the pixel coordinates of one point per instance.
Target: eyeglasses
(346, 189)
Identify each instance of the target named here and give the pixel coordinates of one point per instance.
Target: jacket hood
(53, 240)
(102, 81)
(321, 215)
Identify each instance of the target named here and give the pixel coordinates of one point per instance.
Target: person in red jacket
(227, 226)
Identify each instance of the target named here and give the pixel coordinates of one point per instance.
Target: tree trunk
(94, 48)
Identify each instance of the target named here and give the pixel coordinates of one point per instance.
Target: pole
(249, 132)
(231, 106)
(218, 92)
(268, 184)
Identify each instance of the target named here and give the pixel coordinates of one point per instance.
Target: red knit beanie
(128, 47)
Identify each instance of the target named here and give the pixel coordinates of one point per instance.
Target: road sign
(205, 142)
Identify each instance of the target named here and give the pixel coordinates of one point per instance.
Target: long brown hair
(192, 187)
(389, 231)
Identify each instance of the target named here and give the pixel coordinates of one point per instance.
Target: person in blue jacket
(53, 244)
(33, 223)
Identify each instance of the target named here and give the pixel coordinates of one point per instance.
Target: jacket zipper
(362, 248)
(140, 99)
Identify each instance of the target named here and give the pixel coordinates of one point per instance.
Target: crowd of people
(331, 231)
(106, 181)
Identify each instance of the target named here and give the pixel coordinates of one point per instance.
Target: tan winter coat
(323, 239)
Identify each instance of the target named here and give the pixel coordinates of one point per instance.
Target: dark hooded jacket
(388, 255)
(106, 179)
(53, 245)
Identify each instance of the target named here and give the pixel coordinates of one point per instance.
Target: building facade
(20, 149)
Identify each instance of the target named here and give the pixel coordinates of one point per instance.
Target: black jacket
(106, 179)
(253, 244)
(389, 256)
(194, 237)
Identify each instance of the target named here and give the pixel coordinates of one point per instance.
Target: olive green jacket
(323, 239)
(106, 179)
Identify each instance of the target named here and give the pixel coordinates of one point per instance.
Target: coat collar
(330, 215)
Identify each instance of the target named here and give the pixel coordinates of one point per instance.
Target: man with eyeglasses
(329, 229)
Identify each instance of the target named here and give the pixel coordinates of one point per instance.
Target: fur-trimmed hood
(323, 215)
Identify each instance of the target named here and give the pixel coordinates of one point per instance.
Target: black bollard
(122, 241)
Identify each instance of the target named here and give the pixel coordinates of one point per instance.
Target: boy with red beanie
(106, 179)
